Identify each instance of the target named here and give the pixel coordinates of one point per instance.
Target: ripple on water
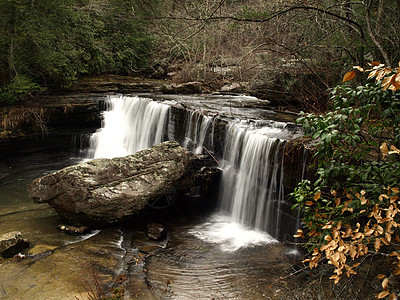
(228, 235)
(217, 260)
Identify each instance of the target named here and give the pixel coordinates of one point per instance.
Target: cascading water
(197, 128)
(130, 124)
(251, 190)
(252, 175)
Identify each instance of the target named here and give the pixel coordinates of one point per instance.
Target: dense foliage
(50, 43)
(353, 204)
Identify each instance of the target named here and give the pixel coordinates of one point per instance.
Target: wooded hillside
(292, 50)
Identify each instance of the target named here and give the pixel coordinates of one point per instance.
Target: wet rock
(73, 229)
(12, 243)
(184, 88)
(37, 249)
(156, 231)
(147, 249)
(104, 191)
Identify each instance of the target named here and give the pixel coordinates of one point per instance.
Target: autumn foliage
(352, 209)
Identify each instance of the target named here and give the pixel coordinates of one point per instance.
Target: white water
(130, 124)
(196, 131)
(251, 180)
(251, 189)
(230, 236)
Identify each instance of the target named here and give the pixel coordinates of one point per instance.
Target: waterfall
(252, 174)
(251, 190)
(130, 124)
(197, 128)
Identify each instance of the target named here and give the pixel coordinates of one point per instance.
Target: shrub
(352, 205)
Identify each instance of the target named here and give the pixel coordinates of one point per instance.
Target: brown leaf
(387, 82)
(385, 241)
(385, 283)
(349, 75)
(396, 272)
(374, 63)
(373, 74)
(377, 244)
(358, 68)
(353, 251)
(317, 196)
(392, 296)
(381, 276)
(368, 232)
(309, 203)
(384, 149)
(382, 294)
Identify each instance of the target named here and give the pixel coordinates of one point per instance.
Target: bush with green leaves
(20, 88)
(348, 154)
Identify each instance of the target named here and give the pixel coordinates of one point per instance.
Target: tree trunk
(373, 36)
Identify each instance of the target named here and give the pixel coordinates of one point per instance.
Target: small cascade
(130, 124)
(197, 129)
(252, 174)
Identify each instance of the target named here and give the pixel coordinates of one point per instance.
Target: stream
(210, 252)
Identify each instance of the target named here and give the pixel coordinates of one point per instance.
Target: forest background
(293, 53)
(288, 51)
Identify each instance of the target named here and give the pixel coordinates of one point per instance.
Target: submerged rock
(12, 243)
(73, 229)
(156, 231)
(104, 191)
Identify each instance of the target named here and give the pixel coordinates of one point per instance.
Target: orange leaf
(385, 283)
(396, 272)
(382, 294)
(374, 63)
(317, 196)
(387, 82)
(349, 75)
(384, 149)
(381, 276)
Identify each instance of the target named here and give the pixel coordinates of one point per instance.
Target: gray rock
(193, 87)
(156, 231)
(104, 191)
(12, 243)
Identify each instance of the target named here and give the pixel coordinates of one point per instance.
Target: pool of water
(205, 257)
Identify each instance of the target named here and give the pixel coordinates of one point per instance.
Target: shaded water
(195, 268)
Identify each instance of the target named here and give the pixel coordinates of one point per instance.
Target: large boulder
(103, 191)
